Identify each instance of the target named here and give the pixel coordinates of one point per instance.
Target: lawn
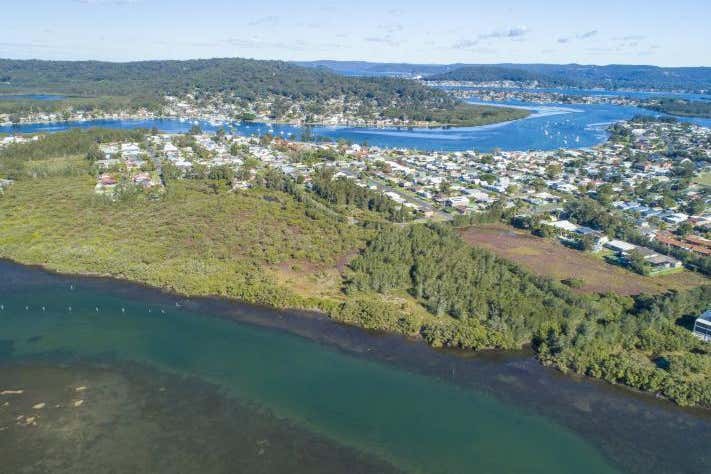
(550, 258)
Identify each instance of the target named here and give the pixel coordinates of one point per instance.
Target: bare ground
(550, 258)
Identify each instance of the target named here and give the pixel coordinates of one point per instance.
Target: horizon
(362, 61)
(414, 32)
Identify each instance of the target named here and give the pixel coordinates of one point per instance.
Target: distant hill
(364, 68)
(242, 79)
(573, 75)
(487, 73)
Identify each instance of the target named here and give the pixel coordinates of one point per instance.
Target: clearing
(548, 257)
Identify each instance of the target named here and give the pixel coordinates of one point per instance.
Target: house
(171, 151)
(107, 163)
(660, 262)
(4, 183)
(144, 180)
(458, 201)
(597, 238)
(106, 185)
(564, 225)
(702, 327)
(620, 246)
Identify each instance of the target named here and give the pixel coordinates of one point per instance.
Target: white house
(702, 326)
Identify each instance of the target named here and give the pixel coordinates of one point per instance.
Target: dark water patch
(6, 348)
(125, 418)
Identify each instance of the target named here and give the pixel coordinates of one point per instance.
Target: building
(702, 326)
(620, 246)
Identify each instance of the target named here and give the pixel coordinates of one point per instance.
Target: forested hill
(486, 73)
(588, 76)
(246, 80)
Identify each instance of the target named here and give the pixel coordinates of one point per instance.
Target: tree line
(482, 301)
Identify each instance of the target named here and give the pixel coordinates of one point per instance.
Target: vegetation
(15, 107)
(481, 301)
(584, 272)
(684, 108)
(590, 213)
(193, 242)
(486, 73)
(145, 83)
(281, 245)
(59, 152)
(586, 76)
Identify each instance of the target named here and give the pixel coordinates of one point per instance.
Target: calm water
(391, 400)
(549, 127)
(43, 97)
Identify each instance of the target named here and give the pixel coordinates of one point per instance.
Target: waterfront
(549, 127)
(373, 399)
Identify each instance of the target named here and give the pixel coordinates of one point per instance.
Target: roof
(565, 225)
(621, 245)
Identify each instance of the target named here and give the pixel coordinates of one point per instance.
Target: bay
(395, 401)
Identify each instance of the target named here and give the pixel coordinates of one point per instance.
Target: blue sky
(435, 31)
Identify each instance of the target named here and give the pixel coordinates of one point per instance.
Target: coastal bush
(480, 301)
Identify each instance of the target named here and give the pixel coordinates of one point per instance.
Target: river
(549, 127)
(296, 391)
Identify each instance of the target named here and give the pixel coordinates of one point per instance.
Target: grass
(194, 241)
(704, 179)
(547, 257)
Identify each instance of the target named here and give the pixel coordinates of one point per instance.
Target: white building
(702, 326)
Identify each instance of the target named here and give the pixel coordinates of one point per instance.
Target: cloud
(517, 33)
(580, 36)
(387, 40)
(270, 20)
(630, 38)
(391, 28)
(465, 44)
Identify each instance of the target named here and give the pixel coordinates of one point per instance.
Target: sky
(664, 33)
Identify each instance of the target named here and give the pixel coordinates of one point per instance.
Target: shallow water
(549, 127)
(378, 398)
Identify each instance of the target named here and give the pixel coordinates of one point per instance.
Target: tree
(685, 228)
(195, 130)
(637, 263)
(94, 153)
(553, 170)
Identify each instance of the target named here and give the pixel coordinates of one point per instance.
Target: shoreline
(417, 126)
(317, 326)
(587, 407)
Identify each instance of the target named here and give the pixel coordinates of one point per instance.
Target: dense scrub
(192, 241)
(482, 301)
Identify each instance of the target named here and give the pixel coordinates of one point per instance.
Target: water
(550, 127)
(393, 401)
(41, 97)
(593, 92)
